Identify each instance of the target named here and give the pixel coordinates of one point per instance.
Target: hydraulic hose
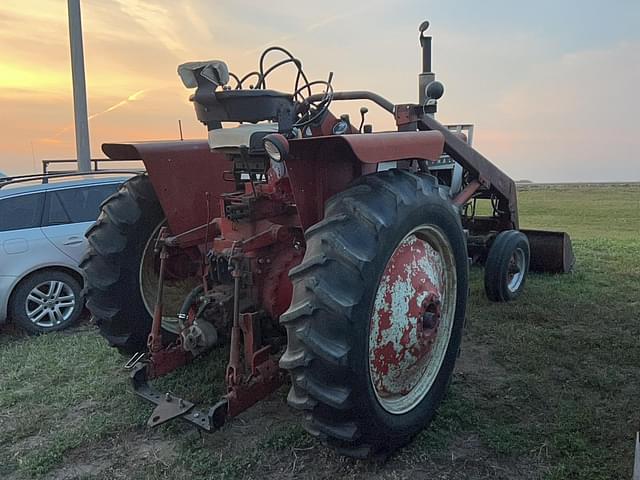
(188, 302)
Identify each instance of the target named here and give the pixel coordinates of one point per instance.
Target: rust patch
(406, 317)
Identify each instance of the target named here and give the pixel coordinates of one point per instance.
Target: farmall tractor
(312, 248)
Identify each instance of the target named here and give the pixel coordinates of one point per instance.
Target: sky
(551, 86)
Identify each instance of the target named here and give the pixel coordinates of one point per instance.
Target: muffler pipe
(426, 76)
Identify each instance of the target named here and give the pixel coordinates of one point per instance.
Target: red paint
(320, 167)
(185, 175)
(409, 288)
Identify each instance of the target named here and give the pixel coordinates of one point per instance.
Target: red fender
(376, 147)
(186, 176)
(320, 167)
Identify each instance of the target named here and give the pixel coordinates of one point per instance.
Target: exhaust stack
(427, 76)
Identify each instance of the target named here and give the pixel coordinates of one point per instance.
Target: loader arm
(487, 173)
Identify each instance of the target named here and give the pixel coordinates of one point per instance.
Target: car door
(21, 239)
(69, 212)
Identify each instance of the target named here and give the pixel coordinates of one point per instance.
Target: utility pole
(83, 151)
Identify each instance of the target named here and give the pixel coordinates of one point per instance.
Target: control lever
(363, 112)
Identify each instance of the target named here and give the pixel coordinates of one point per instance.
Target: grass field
(546, 387)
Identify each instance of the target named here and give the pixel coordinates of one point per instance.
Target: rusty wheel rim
(412, 319)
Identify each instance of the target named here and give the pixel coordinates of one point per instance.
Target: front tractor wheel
(377, 313)
(507, 265)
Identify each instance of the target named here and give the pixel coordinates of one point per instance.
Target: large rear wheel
(121, 267)
(377, 313)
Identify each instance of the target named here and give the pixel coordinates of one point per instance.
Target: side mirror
(434, 90)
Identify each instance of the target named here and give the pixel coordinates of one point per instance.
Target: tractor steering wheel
(311, 110)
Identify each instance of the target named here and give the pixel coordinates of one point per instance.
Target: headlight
(276, 146)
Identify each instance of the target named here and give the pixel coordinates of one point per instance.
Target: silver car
(41, 243)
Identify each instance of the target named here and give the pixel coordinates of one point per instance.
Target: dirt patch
(475, 358)
(80, 411)
(117, 457)
(466, 458)
(476, 364)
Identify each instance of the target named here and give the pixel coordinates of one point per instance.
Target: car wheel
(46, 301)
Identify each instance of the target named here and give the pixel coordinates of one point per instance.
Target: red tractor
(311, 247)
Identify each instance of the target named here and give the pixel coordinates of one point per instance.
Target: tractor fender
(320, 167)
(186, 176)
(373, 148)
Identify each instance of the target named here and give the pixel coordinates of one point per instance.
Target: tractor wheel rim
(148, 281)
(412, 319)
(50, 304)
(516, 270)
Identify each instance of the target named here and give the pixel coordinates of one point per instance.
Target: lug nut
(428, 320)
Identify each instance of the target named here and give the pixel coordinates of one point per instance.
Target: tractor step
(169, 406)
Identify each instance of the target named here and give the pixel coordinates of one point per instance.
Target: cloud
(131, 98)
(327, 20)
(576, 118)
(136, 96)
(158, 22)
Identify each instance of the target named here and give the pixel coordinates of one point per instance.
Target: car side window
(56, 212)
(75, 205)
(21, 211)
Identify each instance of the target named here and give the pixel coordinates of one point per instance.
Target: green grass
(586, 212)
(569, 346)
(547, 387)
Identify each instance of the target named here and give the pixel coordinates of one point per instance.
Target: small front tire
(507, 266)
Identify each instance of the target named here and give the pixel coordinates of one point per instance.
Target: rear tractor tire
(117, 242)
(507, 266)
(377, 314)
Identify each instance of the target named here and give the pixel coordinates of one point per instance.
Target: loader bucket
(551, 252)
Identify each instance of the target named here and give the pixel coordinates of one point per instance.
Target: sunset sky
(552, 85)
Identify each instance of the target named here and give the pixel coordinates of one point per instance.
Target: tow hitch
(169, 406)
